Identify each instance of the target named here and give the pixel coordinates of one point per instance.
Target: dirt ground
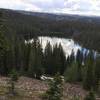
(32, 89)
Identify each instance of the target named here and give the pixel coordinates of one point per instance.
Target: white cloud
(84, 7)
(30, 7)
(19, 5)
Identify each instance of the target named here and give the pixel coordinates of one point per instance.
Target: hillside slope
(85, 30)
(33, 89)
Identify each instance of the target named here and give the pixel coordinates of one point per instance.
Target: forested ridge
(85, 30)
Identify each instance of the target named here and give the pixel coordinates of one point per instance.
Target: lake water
(67, 44)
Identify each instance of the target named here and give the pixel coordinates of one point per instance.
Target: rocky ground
(32, 89)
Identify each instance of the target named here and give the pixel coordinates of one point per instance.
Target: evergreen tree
(13, 78)
(62, 59)
(79, 59)
(90, 96)
(35, 61)
(27, 53)
(89, 78)
(97, 73)
(71, 73)
(55, 91)
(48, 59)
(56, 59)
(72, 57)
(68, 61)
(3, 49)
(31, 69)
(59, 59)
(39, 70)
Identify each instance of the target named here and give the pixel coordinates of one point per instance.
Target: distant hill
(60, 17)
(83, 29)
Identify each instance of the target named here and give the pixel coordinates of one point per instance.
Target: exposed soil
(32, 88)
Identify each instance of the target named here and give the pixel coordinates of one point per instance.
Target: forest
(29, 59)
(84, 30)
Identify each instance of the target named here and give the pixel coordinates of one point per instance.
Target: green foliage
(55, 91)
(4, 47)
(97, 73)
(82, 30)
(47, 59)
(59, 59)
(79, 59)
(71, 73)
(13, 75)
(35, 61)
(89, 78)
(75, 98)
(30, 60)
(13, 78)
(90, 96)
(3, 44)
(54, 59)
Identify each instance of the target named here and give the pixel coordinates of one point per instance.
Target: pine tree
(62, 59)
(97, 73)
(47, 61)
(72, 57)
(89, 78)
(56, 59)
(39, 70)
(71, 73)
(3, 50)
(59, 59)
(90, 96)
(35, 60)
(55, 91)
(31, 69)
(27, 54)
(79, 59)
(13, 78)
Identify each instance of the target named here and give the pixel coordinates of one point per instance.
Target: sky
(82, 7)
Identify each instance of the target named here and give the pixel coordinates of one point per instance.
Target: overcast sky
(83, 7)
